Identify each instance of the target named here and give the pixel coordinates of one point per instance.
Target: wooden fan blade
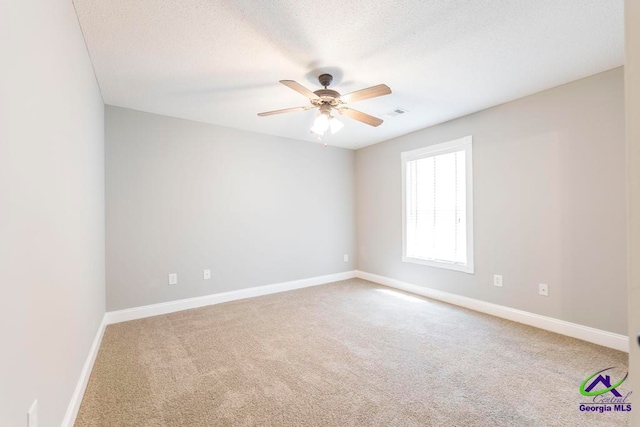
(370, 92)
(286, 110)
(300, 89)
(360, 116)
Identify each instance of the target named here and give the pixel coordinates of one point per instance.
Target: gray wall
(549, 204)
(183, 196)
(51, 208)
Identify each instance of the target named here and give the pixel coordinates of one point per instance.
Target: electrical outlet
(173, 279)
(207, 274)
(544, 290)
(497, 280)
(32, 415)
(346, 258)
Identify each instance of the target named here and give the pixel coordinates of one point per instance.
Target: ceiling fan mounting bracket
(325, 79)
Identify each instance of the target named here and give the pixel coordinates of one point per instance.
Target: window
(437, 209)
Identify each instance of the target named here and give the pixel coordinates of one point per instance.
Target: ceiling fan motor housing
(327, 97)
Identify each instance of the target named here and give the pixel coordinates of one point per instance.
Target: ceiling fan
(327, 99)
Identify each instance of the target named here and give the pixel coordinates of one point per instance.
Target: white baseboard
(186, 304)
(76, 399)
(585, 333)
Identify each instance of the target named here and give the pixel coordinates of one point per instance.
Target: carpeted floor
(350, 353)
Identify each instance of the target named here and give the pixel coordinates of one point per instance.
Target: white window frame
(463, 144)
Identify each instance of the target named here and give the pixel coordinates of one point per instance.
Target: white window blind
(437, 205)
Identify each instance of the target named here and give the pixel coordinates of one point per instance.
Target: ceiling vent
(396, 112)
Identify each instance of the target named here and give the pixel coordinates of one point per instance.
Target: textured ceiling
(220, 61)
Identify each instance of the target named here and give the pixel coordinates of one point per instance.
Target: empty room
(338, 213)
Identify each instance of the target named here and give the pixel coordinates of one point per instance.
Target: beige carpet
(346, 354)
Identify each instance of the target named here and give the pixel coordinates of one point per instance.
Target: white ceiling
(220, 61)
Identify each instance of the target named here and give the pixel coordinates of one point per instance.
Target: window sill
(465, 268)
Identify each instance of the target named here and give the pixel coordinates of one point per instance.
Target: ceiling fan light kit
(324, 120)
(327, 99)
